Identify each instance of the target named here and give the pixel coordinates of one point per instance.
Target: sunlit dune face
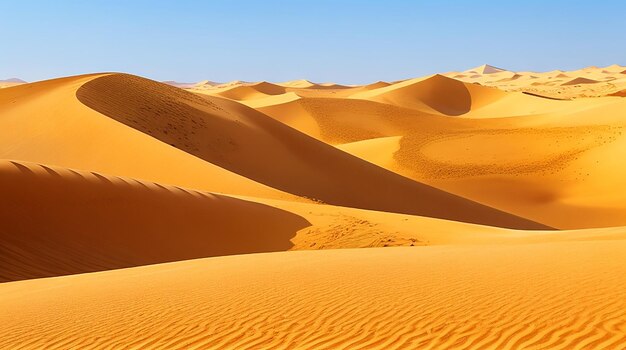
(502, 151)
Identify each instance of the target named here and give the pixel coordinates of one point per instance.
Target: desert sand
(481, 209)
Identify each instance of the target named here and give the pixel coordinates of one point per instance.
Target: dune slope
(58, 221)
(44, 122)
(484, 297)
(436, 94)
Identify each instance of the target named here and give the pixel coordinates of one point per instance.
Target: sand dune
(621, 93)
(257, 90)
(436, 94)
(59, 221)
(376, 85)
(456, 179)
(232, 136)
(577, 81)
(302, 83)
(586, 82)
(556, 296)
(45, 123)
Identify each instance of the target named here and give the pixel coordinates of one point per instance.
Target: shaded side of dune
(57, 221)
(249, 143)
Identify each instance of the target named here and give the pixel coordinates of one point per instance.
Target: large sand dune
(45, 123)
(581, 83)
(235, 137)
(455, 181)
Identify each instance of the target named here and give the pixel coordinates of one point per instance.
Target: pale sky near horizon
(341, 41)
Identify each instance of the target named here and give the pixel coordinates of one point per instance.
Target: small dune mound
(302, 83)
(376, 85)
(621, 93)
(247, 92)
(512, 78)
(65, 222)
(562, 75)
(435, 94)
(485, 69)
(579, 81)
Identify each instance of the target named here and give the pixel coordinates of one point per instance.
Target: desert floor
(482, 209)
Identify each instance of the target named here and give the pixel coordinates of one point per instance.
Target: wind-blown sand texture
(139, 214)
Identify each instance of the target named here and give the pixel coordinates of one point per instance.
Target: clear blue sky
(343, 41)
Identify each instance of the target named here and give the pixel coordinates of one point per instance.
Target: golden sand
(138, 214)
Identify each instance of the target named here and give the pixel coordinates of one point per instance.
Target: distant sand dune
(580, 81)
(436, 94)
(584, 83)
(621, 93)
(244, 92)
